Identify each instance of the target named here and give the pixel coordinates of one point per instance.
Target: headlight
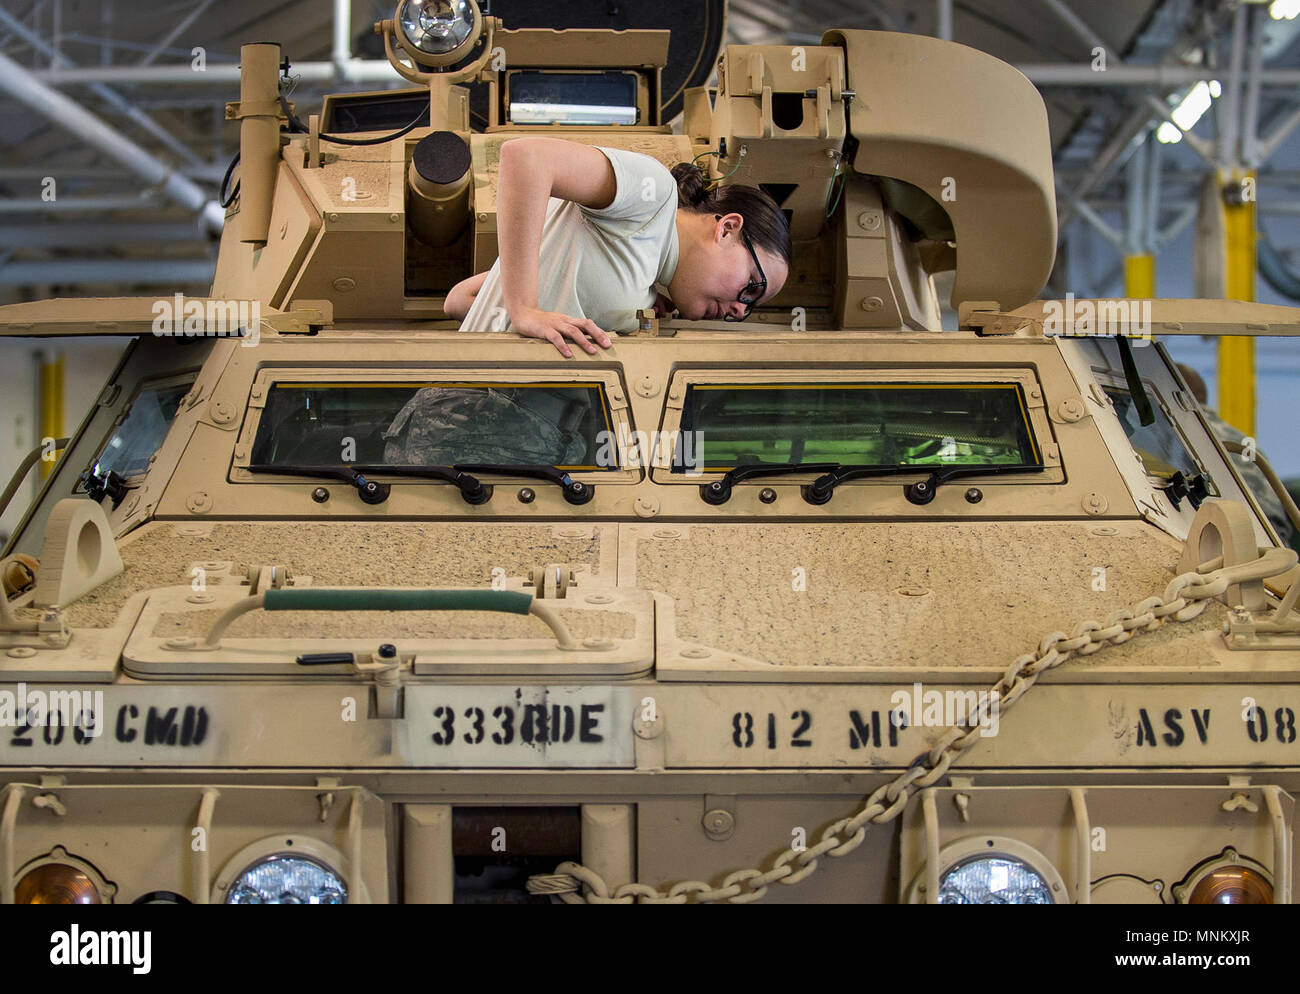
(296, 870)
(982, 869)
(288, 879)
(437, 27)
(993, 880)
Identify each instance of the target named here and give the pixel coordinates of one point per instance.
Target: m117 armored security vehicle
(721, 613)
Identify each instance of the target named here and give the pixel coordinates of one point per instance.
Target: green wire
(831, 208)
(739, 160)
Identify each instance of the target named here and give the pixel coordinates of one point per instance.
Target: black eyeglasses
(754, 290)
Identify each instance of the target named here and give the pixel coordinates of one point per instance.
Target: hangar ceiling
(133, 66)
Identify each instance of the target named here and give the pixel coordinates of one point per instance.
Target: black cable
(225, 201)
(296, 125)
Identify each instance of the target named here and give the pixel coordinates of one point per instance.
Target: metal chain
(1185, 598)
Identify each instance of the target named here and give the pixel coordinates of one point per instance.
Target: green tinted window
(869, 424)
(1159, 444)
(433, 424)
(137, 438)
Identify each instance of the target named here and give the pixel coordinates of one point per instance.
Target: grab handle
(381, 599)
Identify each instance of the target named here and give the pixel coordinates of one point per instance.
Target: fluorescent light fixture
(1284, 10)
(1191, 108)
(537, 113)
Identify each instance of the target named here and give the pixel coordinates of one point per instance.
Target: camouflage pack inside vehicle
(340, 604)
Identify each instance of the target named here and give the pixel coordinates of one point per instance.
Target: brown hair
(764, 221)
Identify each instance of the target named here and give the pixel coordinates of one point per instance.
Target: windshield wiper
(921, 492)
(471, 489)
(374, 492)
(719, 491)
(575, 492)
(108, 485)
(370, 491)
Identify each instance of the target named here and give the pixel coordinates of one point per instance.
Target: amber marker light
(1232, 885)
(56, 883)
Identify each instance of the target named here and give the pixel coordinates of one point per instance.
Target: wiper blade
(921, 492)
(370, 491)
(575, 492)
(374, 492)
(719, 491)
(471, 489)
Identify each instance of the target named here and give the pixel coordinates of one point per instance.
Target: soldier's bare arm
(461, 297)
(532, 171)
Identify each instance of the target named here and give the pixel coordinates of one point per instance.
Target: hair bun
(692, 184)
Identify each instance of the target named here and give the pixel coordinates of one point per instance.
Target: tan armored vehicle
(692, 619)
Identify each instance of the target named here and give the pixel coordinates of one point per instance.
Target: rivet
(872, 303)
(21, 652)
(695, 653)
(869, 220)
(718, 822)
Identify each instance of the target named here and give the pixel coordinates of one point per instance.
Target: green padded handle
(364, 599)
(322, 599)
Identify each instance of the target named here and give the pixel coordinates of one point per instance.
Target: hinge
(552, 580)
(303, 317)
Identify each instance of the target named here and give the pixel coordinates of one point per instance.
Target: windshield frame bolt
(974, 495)
(527, 495)
(767, 495)
(320, 495)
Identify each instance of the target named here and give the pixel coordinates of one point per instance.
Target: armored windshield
(1159, 444)
(137, 438)
(870, 424)
(427, 423)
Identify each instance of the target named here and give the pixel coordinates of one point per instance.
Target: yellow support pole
(1140, 276)
(1237, 352)
(51, 405)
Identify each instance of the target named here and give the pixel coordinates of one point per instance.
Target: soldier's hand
(533, 322)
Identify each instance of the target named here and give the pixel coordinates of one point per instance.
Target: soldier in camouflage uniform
(1252, 474)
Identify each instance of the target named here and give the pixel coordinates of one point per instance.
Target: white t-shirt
(599, 264)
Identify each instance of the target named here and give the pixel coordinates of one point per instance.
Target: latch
(384, 665)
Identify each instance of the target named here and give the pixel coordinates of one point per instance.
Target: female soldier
(611, 226)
